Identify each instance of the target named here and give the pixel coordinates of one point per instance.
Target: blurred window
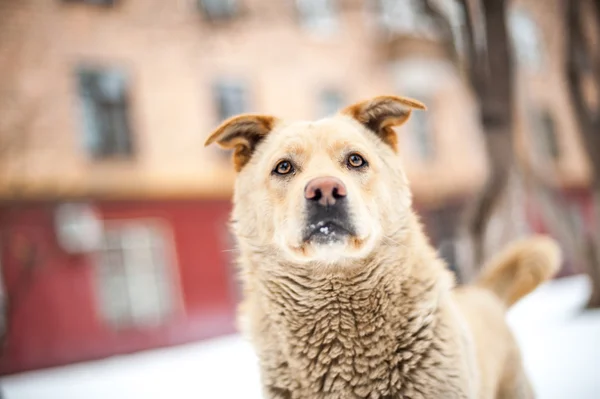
(96, 2)
(545, 130)
(231, 98)
(134, 270)
(318, 16)
(413, 17)
(104, 102)
(218, 9)
(401, 15)
(330, 102)
(525, 38)
(421, 132)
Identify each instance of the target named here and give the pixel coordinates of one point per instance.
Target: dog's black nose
(325, 190)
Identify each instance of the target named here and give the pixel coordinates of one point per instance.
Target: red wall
(580, 202)
(54, 318)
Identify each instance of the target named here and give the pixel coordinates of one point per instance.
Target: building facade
(549, 145)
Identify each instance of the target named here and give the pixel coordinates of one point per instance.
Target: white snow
(560, 342)
(221, 368)
(561, 349)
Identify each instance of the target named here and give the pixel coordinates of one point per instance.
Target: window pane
(119, 125)
(112, 288)
(218, 9)
(96, 2)
(145, 301)
(111, 85)
(91, 127)
(525, 38)
(231, 99)
(545, 134)
(103, 97)
(165, 294)
(401, 15)
(318, 15)
(330, 102)
(134, 275)
(549, 132)
(421, 133)
(136, 236)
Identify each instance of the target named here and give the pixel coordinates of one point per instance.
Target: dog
(344, 297)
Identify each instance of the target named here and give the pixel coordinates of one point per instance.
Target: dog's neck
(338, 328)
(407, 261)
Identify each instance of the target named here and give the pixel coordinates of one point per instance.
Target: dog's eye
(283, 168)
(356, 161)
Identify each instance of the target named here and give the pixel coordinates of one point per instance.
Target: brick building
(548, 140)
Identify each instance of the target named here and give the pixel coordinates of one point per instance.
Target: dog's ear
(242, 133)
(381, 113)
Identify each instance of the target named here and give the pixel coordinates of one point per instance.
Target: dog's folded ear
(381, 113)
(242, 133)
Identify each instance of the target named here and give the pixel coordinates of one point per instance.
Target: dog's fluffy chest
(348, 341)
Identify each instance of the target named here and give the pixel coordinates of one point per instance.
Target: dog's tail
(520, 268)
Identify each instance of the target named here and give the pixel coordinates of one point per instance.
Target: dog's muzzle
(328, 220)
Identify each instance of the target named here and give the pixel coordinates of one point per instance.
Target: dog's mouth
(329, 240)
(327, 232)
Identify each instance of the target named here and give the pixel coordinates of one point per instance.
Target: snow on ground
(220, 368)
(560, 342)
(561, 349)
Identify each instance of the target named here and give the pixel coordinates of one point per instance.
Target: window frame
(99, 3)
(312, 19)
(213, 10)
(168, 271)
(544, 127)
(526, 38)
(107, 122)
(420, 133)
(220, 87)
(325, 107)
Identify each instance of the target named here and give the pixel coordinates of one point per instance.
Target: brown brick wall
(173, 57)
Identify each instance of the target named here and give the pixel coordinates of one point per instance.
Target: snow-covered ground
(561, 348)
(559, 342)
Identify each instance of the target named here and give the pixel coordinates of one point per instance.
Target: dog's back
(509, 276)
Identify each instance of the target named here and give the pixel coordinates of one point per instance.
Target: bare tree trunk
(448, 222)
(491, 75)
(445, 27)
(581, 60)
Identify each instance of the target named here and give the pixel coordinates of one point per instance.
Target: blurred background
(113, 216)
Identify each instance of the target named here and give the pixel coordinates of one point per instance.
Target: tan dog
(344, 296)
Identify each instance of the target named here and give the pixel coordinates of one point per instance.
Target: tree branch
(475, 63)
(579, 59)
(442, 22)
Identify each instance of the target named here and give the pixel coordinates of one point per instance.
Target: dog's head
(328, 191)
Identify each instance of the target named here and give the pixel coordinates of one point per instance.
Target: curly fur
(378, 332)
